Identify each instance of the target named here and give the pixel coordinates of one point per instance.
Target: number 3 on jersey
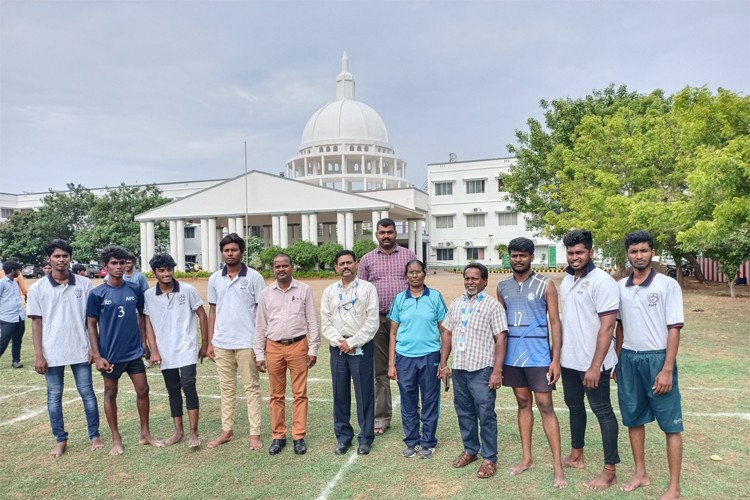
(120, 311)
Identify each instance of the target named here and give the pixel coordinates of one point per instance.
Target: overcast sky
(104, 92)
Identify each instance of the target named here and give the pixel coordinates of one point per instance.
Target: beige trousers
(228, 361)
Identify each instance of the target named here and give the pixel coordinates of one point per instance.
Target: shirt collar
(477, 296)
(425, 292)
(293, 284)
(646, 282)
(395, 249)
(175, 288)
(71, 279)
(243, 270)
(590, 267)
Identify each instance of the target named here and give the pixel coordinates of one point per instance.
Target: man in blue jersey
(529, 367)
(114, 318)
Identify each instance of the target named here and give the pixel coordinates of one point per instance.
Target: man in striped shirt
(384, 267)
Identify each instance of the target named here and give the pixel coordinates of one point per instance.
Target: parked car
(32, 271)
(103, 272)
(191, 267)
(93, 270)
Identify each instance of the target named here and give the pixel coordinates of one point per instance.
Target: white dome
(345, 120)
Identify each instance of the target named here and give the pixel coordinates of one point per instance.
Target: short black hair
(577, 236)
(386, 222)
(63, 245)
(639, 237)
(282, 254)
(78, 267)
(130, 257)
(11, 265)
(482, 269)
(162, 260)
(521, 244)
(111, 252)
(415, 261)
(232, 238)
(341, 253)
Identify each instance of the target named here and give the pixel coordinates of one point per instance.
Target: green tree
(327, 252)
(267, 255)
(361, 247)
(304, 254)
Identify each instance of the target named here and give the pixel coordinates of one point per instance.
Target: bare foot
(176, 438)
(96, 444)
(559, 480)
(194, 441)
(255, 442)
(671, 494)
(117, 448)
(635, 482)
(148, 439)
(58, 450)
(225, 437)
(604, 480)
(574, 461)
(520, 467)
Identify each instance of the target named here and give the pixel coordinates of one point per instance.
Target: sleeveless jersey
(526, 306)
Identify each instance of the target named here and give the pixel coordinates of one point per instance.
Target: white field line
(352, 458)
(39, 411)
(8, 396)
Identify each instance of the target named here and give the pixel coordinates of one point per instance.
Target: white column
(275, 239)
(180, 257)
(239, 223)
(375, 219)
(305, 227)
(231, 224)
(411, 228)
(212, 246)
(217, 253)
(204, 245)
(418, 251)
(172, 238)
(349, 225)
(341, 229)
(144, 250)
(314, 228)
(283, 231)
(149, 241)
(384, 214)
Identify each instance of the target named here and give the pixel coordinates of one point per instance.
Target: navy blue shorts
(636, 372)
(130, 367)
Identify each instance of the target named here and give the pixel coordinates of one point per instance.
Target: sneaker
(411, 451)
(16, 364)
(426, 452)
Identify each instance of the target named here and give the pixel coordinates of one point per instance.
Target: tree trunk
(696, 267)
(732, 291)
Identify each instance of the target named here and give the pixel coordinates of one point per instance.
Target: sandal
(487, 469)
(463, 460)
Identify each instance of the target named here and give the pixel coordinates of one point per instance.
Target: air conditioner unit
(508, 208)
(467, 243)
(477, 209)
(449, 244)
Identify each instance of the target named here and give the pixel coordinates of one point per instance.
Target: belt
(290, 341)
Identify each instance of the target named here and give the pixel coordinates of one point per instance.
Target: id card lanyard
(465, 317)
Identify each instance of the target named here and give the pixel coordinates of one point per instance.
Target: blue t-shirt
(526, 307)
(418, 318)
(117, 311)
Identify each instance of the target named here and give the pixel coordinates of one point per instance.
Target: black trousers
(12, 331)
(180, 380)
(345, 369)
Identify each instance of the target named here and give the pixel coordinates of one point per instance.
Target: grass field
(714, 374)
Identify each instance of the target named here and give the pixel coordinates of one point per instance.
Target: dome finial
(344, 81)
(344, 63)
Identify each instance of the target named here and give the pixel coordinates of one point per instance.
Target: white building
(469, 214)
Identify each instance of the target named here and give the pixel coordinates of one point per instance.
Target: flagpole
(244, 235)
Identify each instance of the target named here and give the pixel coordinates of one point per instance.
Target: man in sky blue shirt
(12, 316)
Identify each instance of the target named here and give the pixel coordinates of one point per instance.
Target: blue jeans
(475, 406)
(415, 376)
(55, 378)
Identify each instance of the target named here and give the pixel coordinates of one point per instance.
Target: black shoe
(363, 449)
(16, 364)
(341, 448)
(300, 448)
(276, 446)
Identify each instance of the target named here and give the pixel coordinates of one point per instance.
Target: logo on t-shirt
(244, 283)
(584, 286)
(530, 296)
(130, 298)
(653, 299)
(181, 298)
(79, 292)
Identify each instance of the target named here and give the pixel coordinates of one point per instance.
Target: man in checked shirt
(384, 268)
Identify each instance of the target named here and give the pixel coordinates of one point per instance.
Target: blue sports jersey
(526, 306)
(117, 312)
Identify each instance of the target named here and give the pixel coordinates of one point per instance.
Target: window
(475, 220)
(507, 219)
(256, 231)
(443, 221)
(189, 232)
(500, 184)
(474, 253)
(444, 254)
(443, 188)
(476, 186)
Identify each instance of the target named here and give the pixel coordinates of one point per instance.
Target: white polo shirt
(65, 340)
(649, 310)
(584, 301)
(236, 301)
(172, 317)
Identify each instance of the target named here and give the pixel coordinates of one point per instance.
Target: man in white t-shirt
(590, 302)
(648, 337)
(57, 308)
(233, 295)
(170, 308)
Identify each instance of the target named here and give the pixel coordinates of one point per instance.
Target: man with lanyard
(590, 301)
(12, 315)
(117, 337)
(286, 316)
(57, 308)
(170, 311)
(529, 299)
(349, 320)
(475, 330)
(233, 295)
(648, 337)
(384, 268)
